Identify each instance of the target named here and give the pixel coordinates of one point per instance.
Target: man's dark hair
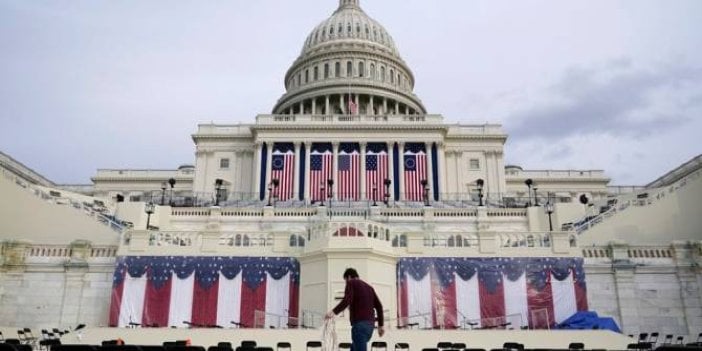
(350, 273)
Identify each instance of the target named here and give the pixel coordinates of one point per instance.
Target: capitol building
(349, 169)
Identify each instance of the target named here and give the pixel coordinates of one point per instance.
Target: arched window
(403, 240)
(326, 70)
(392, 76)
(459, 241)
(293, 240)
(246, 242)
(337, 69)
(361, 69)
(300, 241)
(367, 32)
(372, 71)
(299, 79)
(316, 73)
(341, 29)
(358, 29)
(349, 69)
(348, 29)
(451, 242)
(331, 30)
(395, 241)
(237, 240)
(382, 74)
(307, 76)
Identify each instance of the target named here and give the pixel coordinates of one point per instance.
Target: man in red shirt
(361, 300)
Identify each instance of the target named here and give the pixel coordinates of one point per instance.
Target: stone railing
(345, 119)
(19, 253)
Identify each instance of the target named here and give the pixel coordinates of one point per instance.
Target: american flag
(282, 169)
(376, 172)
(353, 108)
(415, 159)
(349, 175)
(321, 164)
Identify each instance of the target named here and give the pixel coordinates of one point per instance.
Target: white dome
(350, 23)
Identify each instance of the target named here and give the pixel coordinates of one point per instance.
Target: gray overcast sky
(612, 85)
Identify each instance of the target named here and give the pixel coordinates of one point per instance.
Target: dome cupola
(349, 65)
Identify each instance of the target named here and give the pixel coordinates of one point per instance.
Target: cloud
(616, 98)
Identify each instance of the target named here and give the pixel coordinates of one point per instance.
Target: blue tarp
(589, 320)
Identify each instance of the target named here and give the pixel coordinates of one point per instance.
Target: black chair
(653, 339)
(345, 346)
(512, 346)
(264, 348)
(314, 345)
(458, 346)
(680, 340)
(668, 339)
(248, 344)
(576, 346)
(117, 347)
(246, 348)
(48, 344)
(378, 346)
(444, 345)
(7, 347)
(12, 341)
(224, 344)
(283, 345)
(643, 337)
(401, 346)
(74, 347)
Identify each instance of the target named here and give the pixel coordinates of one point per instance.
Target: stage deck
(417, 339)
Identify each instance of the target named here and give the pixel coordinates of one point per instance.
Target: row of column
(387, 107)
(335, 168)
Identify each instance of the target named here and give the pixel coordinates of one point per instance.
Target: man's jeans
(361, 333)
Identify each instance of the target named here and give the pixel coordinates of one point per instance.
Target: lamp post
(218, 187)
(172, 182)
(321, 192)
(425, 195)
(536, 197)
(480, 184)
(549, 210)
(273, 185)
(149, 209)
(528, 183)
(164, 185)
(375, 192)
(330, 192)
(387, 183)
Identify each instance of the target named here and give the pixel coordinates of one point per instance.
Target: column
(391, 170)
(341, 104)
(302, 107)
(269, 164)
(397, 107)
(385, 106)
(401, 173)
(364, 194)
(358, 104)
(314, 106)
(371, 110)
(335, 168)
(257, 166)
(236, 180)
(430, 170)
(308, 150)
(441, 167)
(296, 175)
(458, 155)
(326, 108)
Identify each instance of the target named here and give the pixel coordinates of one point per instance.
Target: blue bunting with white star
(492, 270)
(206, 269)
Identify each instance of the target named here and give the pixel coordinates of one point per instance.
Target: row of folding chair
(669, 339)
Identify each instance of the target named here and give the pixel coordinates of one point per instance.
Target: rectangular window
(224, 163)
(474, 163)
